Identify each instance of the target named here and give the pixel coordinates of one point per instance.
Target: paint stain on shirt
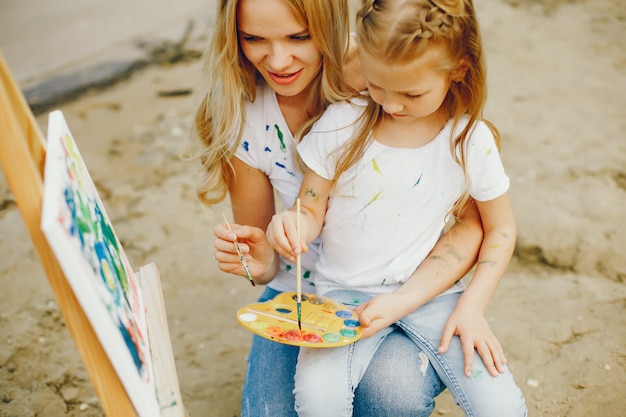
(376, 167)
(281, 138)
(279, 165)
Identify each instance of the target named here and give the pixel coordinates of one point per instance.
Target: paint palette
(325, 323)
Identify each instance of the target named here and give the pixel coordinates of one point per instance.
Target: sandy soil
(557, 73)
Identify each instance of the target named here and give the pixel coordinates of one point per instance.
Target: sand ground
(557, 74)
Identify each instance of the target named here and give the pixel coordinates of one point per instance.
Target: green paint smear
(312, 193)
(477, 374)
(281, 138)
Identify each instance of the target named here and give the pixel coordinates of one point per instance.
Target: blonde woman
(272, 68)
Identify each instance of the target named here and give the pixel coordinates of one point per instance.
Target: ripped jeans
(326, 379)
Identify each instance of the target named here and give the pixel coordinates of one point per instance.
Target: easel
(22, 156)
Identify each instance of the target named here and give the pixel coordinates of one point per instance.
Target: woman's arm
(252, 201)
(468, 318)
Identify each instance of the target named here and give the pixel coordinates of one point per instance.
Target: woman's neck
(294, 110)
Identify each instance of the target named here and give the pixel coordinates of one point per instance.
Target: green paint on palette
(306, 275)
(331, 337)
(347, 332)
(288, 267)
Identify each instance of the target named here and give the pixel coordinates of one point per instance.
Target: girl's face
(409, 91)
(278, 46)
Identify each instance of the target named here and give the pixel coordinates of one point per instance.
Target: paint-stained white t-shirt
(388, 210)
(268, 145)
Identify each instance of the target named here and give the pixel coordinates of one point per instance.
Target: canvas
(82, 238)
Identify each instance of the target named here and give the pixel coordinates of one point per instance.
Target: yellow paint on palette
(326, 323)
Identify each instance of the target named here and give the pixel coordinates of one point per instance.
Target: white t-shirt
(388, 210)
(268, 145)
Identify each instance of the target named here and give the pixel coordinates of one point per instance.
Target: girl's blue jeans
(396, 383)
(326, 379)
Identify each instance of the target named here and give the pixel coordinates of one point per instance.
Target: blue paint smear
(246, 145)
(418, 181)
(278, 164)
(267, 127)
(267, 149)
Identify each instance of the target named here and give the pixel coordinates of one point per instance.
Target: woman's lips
(284, 79)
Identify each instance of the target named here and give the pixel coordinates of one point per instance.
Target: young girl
(383, 176)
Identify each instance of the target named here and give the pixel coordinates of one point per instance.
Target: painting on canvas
(82, 237)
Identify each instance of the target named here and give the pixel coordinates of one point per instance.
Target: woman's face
(278, 46)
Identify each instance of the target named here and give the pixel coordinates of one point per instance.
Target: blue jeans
(269, 382)
(326, 378)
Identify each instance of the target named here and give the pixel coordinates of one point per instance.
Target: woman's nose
(279, 58)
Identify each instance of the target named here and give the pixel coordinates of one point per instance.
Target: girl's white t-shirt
(387, 211)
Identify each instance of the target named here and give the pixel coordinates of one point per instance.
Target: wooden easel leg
(22, 156)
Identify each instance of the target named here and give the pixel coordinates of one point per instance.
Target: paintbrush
(241, 258)
(298, 268)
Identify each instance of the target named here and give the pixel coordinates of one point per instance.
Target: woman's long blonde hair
(398, 31)
(231, 81)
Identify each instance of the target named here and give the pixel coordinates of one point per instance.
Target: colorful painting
(81, 235)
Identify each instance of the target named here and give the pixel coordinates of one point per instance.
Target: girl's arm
(282, 231)
(451, 258)
(252, 201)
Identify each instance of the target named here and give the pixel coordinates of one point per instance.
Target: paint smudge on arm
(312, 193)
(454, 253)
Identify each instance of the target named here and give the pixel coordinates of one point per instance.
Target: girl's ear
(459, 72)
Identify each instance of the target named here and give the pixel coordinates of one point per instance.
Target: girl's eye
(413, 97)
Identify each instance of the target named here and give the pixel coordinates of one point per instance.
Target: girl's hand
(282, 234)
(254, 247)
(470, 325)
(380, 312)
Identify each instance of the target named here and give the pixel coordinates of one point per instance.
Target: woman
(272, 68)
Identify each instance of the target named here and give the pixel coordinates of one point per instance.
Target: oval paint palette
(325, 323)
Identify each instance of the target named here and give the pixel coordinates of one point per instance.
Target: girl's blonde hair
(397, 32)
(231, 81)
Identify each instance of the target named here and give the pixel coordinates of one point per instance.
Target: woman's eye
(250, 38)
(301, 38)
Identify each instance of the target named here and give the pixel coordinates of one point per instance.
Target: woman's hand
(470, 325)
(254, 246)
